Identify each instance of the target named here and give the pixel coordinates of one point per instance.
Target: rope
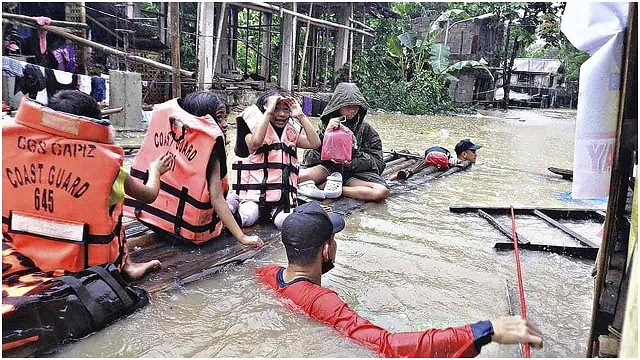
(523, 305)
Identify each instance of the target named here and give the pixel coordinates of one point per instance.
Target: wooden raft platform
(183, 262)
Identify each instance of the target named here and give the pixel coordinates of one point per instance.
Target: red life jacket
(183, 207)
(269, 176)
(58, 173)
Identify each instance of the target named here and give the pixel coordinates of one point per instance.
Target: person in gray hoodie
(361, 178)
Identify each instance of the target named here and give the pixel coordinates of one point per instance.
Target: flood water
(407, 264)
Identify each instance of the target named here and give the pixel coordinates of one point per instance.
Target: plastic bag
(337, 145)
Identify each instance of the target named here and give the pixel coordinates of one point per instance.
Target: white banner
(597, 28)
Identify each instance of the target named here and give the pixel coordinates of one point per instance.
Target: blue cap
(309, 226)
(466, 144)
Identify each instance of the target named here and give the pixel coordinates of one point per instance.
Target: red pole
(523, 306)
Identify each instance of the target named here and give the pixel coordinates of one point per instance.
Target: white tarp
(513, 95)
(597, 28)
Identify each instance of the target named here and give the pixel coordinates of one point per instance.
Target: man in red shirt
(308, 237)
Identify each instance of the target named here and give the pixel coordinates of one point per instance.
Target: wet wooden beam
(506, 232)
(581, 239)
(460, 167)
(571, 251)
(556, 213)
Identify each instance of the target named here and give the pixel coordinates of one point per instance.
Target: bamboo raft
(587, 250)
(183, 263)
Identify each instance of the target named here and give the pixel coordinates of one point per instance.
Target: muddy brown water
(407, 264)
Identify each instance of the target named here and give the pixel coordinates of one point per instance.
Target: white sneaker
(309, 189)
(333, 187)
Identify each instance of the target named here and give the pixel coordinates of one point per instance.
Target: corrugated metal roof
(536, 65)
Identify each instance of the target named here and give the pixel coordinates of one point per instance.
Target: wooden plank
(571, 251)
(406, 174)
(556, 213)
(462, 166)
(581, 239)
(512, 310)
(403, 153)
(501, 228)
(565, 173)
(397, 167)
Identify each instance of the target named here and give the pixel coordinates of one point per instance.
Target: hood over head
(345, 94)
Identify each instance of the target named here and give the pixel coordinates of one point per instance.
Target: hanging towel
(54, 85)
(31, 82)
(63, 77)
(66, 58)
(11, 67)
(84, 84)
(43, 20)
(306, 105)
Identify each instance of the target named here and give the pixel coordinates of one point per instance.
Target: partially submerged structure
(237, 46)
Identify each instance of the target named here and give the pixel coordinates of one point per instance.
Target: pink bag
(337, 145)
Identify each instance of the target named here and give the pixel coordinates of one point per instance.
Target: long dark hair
(271, 92)
(201, 103)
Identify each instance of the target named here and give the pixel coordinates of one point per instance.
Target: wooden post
(266, 46)
(234, 33)
(311, 73)
(342, 41)
(350, 44)
(304, 47)
(205, 47)
(174, 29)
(163, 22)
(222, 21)
(286, 50)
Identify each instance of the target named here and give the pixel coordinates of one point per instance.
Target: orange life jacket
(183, 207)
(58, 171)
(269, 176)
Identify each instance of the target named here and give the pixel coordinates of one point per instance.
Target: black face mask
(327, 266)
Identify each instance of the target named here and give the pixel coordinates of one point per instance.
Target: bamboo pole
(305, 17)
(223, 13)
(304, 47)
(53, 22)
(109, 50)
(174, 27)
(361, 24)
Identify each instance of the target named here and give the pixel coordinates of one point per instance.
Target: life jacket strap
(264, 149)
(171, 190)
(113, 284)
(171, 218)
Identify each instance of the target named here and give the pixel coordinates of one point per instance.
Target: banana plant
(439, 61)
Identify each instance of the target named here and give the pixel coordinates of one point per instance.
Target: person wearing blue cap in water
(308, 238)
